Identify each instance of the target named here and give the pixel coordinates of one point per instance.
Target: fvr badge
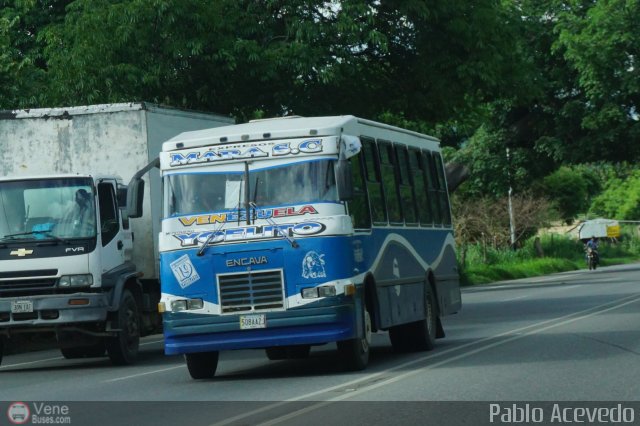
(184, 271)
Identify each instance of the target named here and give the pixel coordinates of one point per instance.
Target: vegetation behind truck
(70, 261)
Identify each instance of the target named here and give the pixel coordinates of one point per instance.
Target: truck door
(112, 241)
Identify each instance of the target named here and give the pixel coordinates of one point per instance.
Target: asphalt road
(566, 338)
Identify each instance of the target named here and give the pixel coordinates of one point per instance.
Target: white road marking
(31, 362)
(133, 376)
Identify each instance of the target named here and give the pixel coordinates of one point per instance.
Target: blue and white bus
(287, 233)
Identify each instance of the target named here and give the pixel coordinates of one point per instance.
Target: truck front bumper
(53, 311)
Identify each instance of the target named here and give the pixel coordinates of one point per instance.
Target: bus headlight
(179, 305)
(186, 304)
(81, 280)
(315, 292)
(326, 291)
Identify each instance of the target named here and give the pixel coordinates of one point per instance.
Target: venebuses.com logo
(18, 413)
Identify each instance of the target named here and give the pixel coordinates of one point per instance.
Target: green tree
(569, 191)
(619, 200)
(603, 45)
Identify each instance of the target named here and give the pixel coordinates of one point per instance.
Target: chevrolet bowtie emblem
(21, 252)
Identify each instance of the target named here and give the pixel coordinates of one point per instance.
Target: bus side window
(442, 190)
(417, 167)
(374, 183)
(389, 183)
(359, 205)
(431, 177)
(407, 195)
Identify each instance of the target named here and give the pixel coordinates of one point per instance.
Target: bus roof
(282, 128)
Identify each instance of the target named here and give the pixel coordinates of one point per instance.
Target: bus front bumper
(187, 333)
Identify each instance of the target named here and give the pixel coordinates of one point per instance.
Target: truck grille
(27, 286)
(251, 291)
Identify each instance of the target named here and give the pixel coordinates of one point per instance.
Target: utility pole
(512, 225)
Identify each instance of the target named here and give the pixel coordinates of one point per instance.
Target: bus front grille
(251, 291)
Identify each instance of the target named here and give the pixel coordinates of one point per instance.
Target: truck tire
(202, 365)
(355, 352)
(123, 348)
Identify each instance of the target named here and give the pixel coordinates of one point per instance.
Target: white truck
(70, 260)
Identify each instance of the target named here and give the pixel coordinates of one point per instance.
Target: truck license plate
(21, 306)
(253, 321)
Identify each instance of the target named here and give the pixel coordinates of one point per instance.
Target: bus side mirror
(344, 180)
(135, 197)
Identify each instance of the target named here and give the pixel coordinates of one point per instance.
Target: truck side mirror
(344, 180)
(135, 197)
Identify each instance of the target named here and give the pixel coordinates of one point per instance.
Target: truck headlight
(80, 280)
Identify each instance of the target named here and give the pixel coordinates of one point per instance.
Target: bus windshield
(304, 182)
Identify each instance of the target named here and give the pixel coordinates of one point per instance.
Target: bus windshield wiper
(214, 233)
(290, 239)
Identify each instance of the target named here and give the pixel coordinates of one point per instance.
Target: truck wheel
(123, 348)
(202, 365)
(355, 352)
(90, 351)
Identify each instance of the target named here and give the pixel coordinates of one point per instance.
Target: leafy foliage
(620, 199)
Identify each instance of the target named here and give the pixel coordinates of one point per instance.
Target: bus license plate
(253, 321)
(21, 306)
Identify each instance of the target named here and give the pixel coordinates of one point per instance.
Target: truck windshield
(304, 182)
(47, 209)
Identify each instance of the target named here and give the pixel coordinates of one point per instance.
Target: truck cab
(65, 265)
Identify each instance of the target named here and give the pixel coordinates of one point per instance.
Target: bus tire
(425, 330)
(202, 365)
(355, 352)
(123, 348)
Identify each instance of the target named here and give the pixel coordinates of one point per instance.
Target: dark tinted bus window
(417, 167)
(432, 187)
(374, 184)
(407, 196)
(442, 190)
(359, 206)
(387, 160)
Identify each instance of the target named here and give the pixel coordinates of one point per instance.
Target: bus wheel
(202, 365)
(123, 348)
(425, 330)
(355, 352)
